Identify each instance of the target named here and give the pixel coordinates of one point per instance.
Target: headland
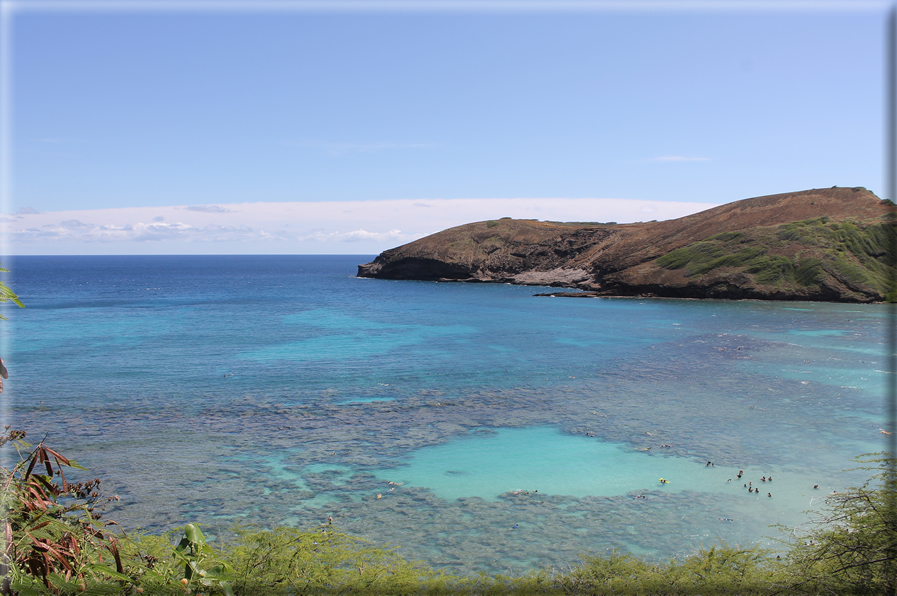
(830, 244)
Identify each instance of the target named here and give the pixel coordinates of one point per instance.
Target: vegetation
(7, 294)
(851, 546)
(797, 254)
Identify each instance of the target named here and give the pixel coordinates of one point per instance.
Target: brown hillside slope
(820, 244)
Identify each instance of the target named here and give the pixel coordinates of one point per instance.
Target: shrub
(851, 546)
(54, 540)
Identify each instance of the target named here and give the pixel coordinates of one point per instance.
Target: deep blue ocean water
(282, 390)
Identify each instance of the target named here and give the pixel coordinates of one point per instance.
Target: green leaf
(181, 547)
(194, 534)
(110, 572)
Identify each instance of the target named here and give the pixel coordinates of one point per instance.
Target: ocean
(474, 426)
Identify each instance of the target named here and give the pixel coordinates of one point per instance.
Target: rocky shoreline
(830, 245)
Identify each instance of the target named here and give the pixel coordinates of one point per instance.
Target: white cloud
(359, 227)
(207, 208)
(362, 235)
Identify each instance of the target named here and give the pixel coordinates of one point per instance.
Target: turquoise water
(523, 459)
(283, 390)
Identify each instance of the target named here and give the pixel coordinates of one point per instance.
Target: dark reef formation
(821, 244)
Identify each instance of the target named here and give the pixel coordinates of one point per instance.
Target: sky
(193, 127)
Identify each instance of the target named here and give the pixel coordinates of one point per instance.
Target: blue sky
(228, 129)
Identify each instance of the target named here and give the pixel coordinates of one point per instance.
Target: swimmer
(330, 519)
(708, 463)
(769, 495)
(763, 479)
(664, 481)
(729, 480)
(769, 479)
(815, 486)
(515, 526)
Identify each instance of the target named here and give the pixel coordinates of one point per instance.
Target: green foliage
(7, 294)
(726, 236)
(697, 253)
(718, 570)
(771, 270)
(615, 573)
(53, 539)
(851, 546)
(491, 223)
(808, 272)
(194, 553)
(293, 561)
(752, 257)
(55, 542)
(852, 253)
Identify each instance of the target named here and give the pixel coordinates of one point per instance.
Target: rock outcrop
(821, 244)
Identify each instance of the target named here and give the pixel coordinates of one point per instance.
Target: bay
(476, 426)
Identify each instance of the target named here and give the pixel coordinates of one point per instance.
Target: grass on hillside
(796, 255)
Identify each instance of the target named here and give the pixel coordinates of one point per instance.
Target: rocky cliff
(821, 244)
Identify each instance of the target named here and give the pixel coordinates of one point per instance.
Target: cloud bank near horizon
(345, 227)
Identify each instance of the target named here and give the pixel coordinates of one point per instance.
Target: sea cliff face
(821, 244)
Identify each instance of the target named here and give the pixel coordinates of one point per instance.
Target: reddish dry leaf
(59, 458)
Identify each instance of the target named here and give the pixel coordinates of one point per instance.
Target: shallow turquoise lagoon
(282, 390)
(542, 459)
